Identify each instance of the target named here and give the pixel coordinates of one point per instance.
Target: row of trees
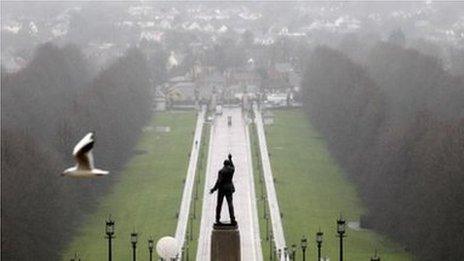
(46, 108)
(396, 126)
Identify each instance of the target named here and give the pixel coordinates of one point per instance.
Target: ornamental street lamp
(271, 239)
(133, 239)
(267, 225)
(191, 227)
(319, 244)
(264, 206)
(150, 248)
(194, 207)
(262, 192)
(186, 250)
(293, 252)
(341, 234)
(304, 244)
(109, 230)
(274, 253)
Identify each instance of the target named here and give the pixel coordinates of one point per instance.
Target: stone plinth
(225, 243)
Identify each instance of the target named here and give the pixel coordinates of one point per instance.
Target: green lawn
(312, 192)
(146, 196)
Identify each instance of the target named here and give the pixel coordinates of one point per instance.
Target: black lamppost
(186, 250)
(267, 224)
(191, 227)
(274, 253)
(304, 244)
(341, 231)
(262, 195)
(293, 252)
(109, 230)
(150, 248)
(319, 244)
(271, 239)
(194, 208)
(375, 257)
(264, 206)
(134, 245)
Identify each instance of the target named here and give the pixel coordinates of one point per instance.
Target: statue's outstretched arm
(231, 162)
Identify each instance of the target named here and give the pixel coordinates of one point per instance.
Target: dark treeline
(396, 126)
(46, 108)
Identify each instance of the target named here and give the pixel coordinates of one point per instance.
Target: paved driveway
(235, 140)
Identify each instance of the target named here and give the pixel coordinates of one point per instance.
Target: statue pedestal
(225, 243)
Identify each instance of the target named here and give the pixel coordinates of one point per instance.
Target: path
(233, 139)
(189, 182)
(278, 232)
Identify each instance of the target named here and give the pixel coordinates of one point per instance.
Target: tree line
(46, 108)
(396, 126)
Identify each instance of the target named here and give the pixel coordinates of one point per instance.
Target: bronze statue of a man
(225, 188)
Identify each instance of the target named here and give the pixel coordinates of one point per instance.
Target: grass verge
(265, 228)
(146, 195)
(312, 192)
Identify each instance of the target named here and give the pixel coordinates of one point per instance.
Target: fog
(383, 82)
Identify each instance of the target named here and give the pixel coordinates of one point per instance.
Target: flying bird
(83, 155)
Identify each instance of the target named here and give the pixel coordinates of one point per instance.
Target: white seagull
(83, 155)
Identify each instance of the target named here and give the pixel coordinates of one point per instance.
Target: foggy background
(382, 81)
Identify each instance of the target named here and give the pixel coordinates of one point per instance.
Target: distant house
(186, 90)
(278, 99)
(243, 77)
(180, 89)
(243, 81)
(200, 70)
(159, 101)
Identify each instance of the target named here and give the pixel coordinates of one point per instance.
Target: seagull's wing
(83, 142)
(83, 154)
(90, 157)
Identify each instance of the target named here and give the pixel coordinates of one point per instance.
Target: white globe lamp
(167, 248)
